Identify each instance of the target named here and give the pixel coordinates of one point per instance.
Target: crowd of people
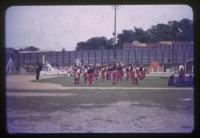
(181, 80)
(114, 72)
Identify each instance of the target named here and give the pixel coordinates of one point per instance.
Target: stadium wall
(165, 55)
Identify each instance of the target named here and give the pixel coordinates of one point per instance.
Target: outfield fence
(163, 54)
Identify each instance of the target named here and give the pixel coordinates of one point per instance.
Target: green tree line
(172, 31)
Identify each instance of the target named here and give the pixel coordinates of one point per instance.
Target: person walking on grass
(103, 73)
(108, 72)
(77, 73)
(85, 74)
(90, 75)
(114, 74)
(119, 73)
(38, 68)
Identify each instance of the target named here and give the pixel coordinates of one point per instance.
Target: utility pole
(115, 37)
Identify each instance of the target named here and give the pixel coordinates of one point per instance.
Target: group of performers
(181, 80)
(114, 72)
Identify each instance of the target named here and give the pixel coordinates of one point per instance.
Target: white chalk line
(117, 88)
(126, 88)
(30, 94)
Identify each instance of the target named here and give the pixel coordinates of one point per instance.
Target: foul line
(30, 94)
(112, 88)
(127, 88)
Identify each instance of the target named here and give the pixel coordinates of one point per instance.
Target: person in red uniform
(140, 73)
(108, 72)
(114, 74)
(132, 75)
(103, 72)
(127, 72)
(90, 74)
(119, 73)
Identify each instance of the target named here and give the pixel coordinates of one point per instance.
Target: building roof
(39, 51)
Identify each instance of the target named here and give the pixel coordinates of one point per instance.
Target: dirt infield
(50, 108)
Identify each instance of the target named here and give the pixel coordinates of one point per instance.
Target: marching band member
(114, 74)
(103, 71)
(85, 74)
(75, 75)
(108, 73)
(140, 73)
(119, 74)
(132, 75)
(90, 75)
(143, 72)
(129, 72)
(124, 71)
(96, 72)
(136, 74)
(78, 75)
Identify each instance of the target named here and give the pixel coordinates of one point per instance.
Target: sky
(58, 27)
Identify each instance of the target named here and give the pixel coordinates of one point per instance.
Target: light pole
(115, 34)
(115, 37)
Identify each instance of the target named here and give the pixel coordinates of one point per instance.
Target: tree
(81, 46)
(140, 35)
(161, 32)
(182, 30)
(174, 30)
(185, 30)
(127, 36)
(95, 43)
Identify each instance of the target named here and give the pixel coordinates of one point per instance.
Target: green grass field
(149, 81)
